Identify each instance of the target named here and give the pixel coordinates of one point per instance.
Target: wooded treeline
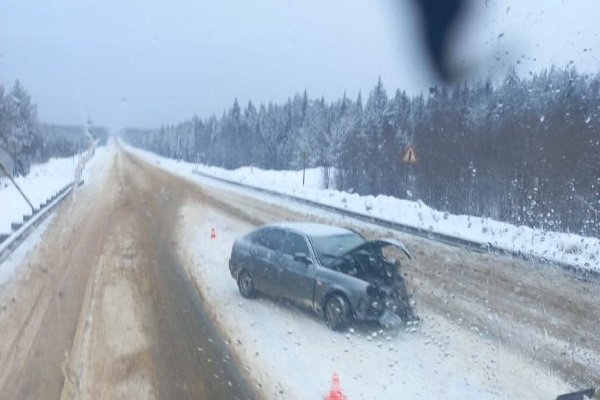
(525, 151)
(24, 140)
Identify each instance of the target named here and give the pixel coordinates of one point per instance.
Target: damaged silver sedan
(333, 271)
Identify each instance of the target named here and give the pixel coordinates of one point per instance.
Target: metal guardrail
(22, 230)
(420, 232)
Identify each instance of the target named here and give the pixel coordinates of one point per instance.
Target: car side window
(271, 238)
(295, 243)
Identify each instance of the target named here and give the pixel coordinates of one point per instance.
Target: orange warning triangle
(410, 155)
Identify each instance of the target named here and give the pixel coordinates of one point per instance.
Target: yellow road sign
(410, 155)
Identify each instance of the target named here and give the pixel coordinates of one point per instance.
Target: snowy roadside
(48, 178)
(43, 181)
(291, 354)
(564, 248)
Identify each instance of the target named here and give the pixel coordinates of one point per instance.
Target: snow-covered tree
(525, 150)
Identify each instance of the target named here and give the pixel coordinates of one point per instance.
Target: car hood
(379, 244)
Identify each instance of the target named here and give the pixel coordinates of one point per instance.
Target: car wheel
(337, 312)
(246, 284)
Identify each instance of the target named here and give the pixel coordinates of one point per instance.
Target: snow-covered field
(292, 354)
(571, 249)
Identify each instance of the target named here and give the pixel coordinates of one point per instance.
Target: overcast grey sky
(144, 63)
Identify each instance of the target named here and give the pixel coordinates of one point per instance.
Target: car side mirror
(303, 258)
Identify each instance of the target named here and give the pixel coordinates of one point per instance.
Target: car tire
(337, 312)
(246, 284)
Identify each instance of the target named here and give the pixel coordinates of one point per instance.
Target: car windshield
(329, 248)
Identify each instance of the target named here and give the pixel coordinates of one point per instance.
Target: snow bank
(565, 248)
(42, 182)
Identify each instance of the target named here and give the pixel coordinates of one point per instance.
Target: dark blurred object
(439, 16)
(577, 395)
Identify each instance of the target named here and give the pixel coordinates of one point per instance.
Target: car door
(297, 277)
(267, 260)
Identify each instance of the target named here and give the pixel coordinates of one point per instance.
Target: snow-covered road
(542, 315)
(129, 287)
(101, 307)
(292, 354)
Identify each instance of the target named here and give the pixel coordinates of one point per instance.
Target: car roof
(312, 229)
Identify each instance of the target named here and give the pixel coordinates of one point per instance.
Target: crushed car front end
(386, 299)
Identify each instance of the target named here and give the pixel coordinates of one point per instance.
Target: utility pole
(17, 186)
